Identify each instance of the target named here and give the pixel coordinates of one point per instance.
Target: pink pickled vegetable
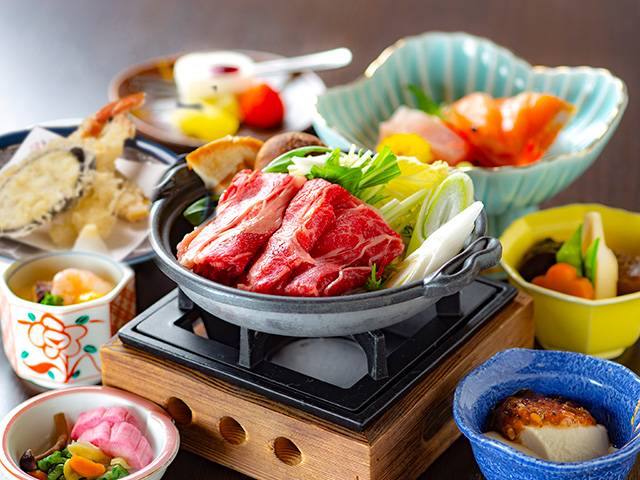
(92, 418)
(120, 440)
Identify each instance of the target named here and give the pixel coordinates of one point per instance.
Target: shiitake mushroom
(539, 258)
(283, 143)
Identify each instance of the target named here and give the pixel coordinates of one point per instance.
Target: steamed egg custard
(69, 286)
(548, 427)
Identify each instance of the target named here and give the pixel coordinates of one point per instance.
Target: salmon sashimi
(507, 131)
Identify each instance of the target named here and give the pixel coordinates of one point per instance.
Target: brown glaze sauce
(527, 408)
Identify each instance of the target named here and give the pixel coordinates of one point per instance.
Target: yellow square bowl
(604, 327)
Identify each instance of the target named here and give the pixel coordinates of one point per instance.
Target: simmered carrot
(563, 278)
(85, 467)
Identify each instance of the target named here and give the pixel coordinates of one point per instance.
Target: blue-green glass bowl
(447, 66)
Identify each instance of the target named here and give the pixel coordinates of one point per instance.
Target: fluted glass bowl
(447, 66)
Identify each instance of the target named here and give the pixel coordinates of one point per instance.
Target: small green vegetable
(425, 103)
(374, 283)
(55, 300)
(571, 252)
(50, 461)
(590, 263)
(56, 472)
(199, 211)
(118, 471)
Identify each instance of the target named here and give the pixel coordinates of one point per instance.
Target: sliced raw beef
(344, 256)
(248, 212)
(308, 215)
(327, 245)
(120, 440)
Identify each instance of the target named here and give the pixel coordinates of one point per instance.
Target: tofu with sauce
(548, 427)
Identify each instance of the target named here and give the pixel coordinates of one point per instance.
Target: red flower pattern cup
(58, 346)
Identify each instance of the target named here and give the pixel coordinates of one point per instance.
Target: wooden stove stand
(270, 441)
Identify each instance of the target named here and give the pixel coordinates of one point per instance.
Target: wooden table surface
(57, 59)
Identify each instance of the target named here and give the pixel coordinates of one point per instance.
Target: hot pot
(303, 317)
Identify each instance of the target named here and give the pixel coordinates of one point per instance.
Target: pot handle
(176, 177)
(463, 269)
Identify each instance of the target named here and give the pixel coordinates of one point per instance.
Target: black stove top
(350, 381)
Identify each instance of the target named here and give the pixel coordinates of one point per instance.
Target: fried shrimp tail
(92, 126)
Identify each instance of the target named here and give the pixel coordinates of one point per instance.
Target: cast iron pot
(303, 317)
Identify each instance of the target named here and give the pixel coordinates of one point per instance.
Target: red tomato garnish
(262, 107)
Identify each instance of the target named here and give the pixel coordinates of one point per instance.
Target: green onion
(54, 300)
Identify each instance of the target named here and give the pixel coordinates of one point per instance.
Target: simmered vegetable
(563, 278)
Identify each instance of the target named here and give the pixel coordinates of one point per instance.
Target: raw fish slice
(508, 131)
(87, 420)
(445, 144)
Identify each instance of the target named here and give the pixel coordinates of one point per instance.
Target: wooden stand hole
(286, 451)
(232, 431)
(179, 411)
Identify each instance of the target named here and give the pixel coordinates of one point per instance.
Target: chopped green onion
(54, 300)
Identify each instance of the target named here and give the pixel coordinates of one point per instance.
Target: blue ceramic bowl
(608, 390)
(447, 66)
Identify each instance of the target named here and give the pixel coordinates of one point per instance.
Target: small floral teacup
(58, 346)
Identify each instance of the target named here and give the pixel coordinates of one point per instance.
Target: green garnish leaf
(571, 252)
(55, 300)
(375, 171)
(281, 164)
(382, 170)
(198, 211)
(425, 103)
(590, 263)
(348, 178)
(373, 282)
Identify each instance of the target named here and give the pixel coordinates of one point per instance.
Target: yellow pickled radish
(408, 145)
(605, 282)
(207, 121)
(90, 451)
